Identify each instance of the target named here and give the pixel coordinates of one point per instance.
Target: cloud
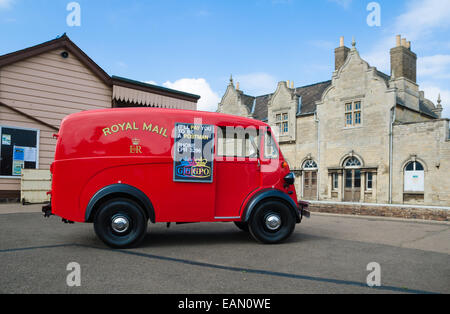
(209, 99)
(343, 3)
(423, 17)
(422, 23)
(437, 66)
(256, 83)
(419, 22)
(6, 4)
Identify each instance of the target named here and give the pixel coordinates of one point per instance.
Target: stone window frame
(371, 181)
(351, 109)
(282, 123)
(310, 165)
(335, 181)
(356, 165)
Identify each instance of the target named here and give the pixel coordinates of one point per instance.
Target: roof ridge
(319, 83)
(269, 94)
(62, 41)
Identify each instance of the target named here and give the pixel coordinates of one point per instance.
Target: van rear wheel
(120, 223)
(272, 222)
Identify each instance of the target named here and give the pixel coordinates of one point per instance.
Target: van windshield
(270, 147)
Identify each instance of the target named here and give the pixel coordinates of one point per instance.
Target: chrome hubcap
(273, 222)
(120, 224)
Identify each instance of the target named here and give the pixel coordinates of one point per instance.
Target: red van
(120, 168)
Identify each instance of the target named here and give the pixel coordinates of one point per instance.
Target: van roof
(213, 117)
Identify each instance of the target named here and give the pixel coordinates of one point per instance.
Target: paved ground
(326, 254)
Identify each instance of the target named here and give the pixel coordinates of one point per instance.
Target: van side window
(237, 142)
(270, 148)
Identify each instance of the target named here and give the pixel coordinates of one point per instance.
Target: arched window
(414, 177)
(310, 165)
(352, 162)
(414, 166)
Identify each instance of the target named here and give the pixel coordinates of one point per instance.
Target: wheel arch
(270, 194)
(119, 190)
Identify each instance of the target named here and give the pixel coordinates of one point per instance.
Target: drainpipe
(316, 119)
(391, 150)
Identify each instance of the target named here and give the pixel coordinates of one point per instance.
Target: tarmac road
(326, 254)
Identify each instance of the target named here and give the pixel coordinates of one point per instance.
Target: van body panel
(134, 147)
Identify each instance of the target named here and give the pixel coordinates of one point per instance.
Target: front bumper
(47, 210)
(303, 208)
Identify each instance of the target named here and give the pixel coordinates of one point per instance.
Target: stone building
(363, 136)
(41, 85)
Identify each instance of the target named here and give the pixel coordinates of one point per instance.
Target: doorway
(310, 180)
(352, 188)
(310, 185)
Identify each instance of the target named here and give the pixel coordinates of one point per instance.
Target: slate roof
(384, 76)
(423, 108)
(426, 110)
(247, 101)
(261, 111)
(308, 96)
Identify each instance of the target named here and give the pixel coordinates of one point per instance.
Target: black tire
(259, 229)
(242, 225)
(120, 208)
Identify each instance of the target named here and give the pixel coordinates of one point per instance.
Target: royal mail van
(120, 168)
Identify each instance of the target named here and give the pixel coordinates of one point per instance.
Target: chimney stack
(340, 54)
(403, 60)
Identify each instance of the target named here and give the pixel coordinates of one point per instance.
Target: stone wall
(282, 102)
(231, 103)
(382, 211)
(427, 143)
(369, 141)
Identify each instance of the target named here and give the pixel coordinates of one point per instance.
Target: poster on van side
(193, 153)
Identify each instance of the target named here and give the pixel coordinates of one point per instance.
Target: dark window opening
(18, 151)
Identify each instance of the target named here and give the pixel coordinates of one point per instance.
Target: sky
(195, 45)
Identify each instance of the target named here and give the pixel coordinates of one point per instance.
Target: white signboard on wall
(414, 181)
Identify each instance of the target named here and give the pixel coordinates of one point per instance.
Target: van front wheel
(120, 223)
(271, 222)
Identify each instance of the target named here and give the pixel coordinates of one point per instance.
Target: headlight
(289, 179)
